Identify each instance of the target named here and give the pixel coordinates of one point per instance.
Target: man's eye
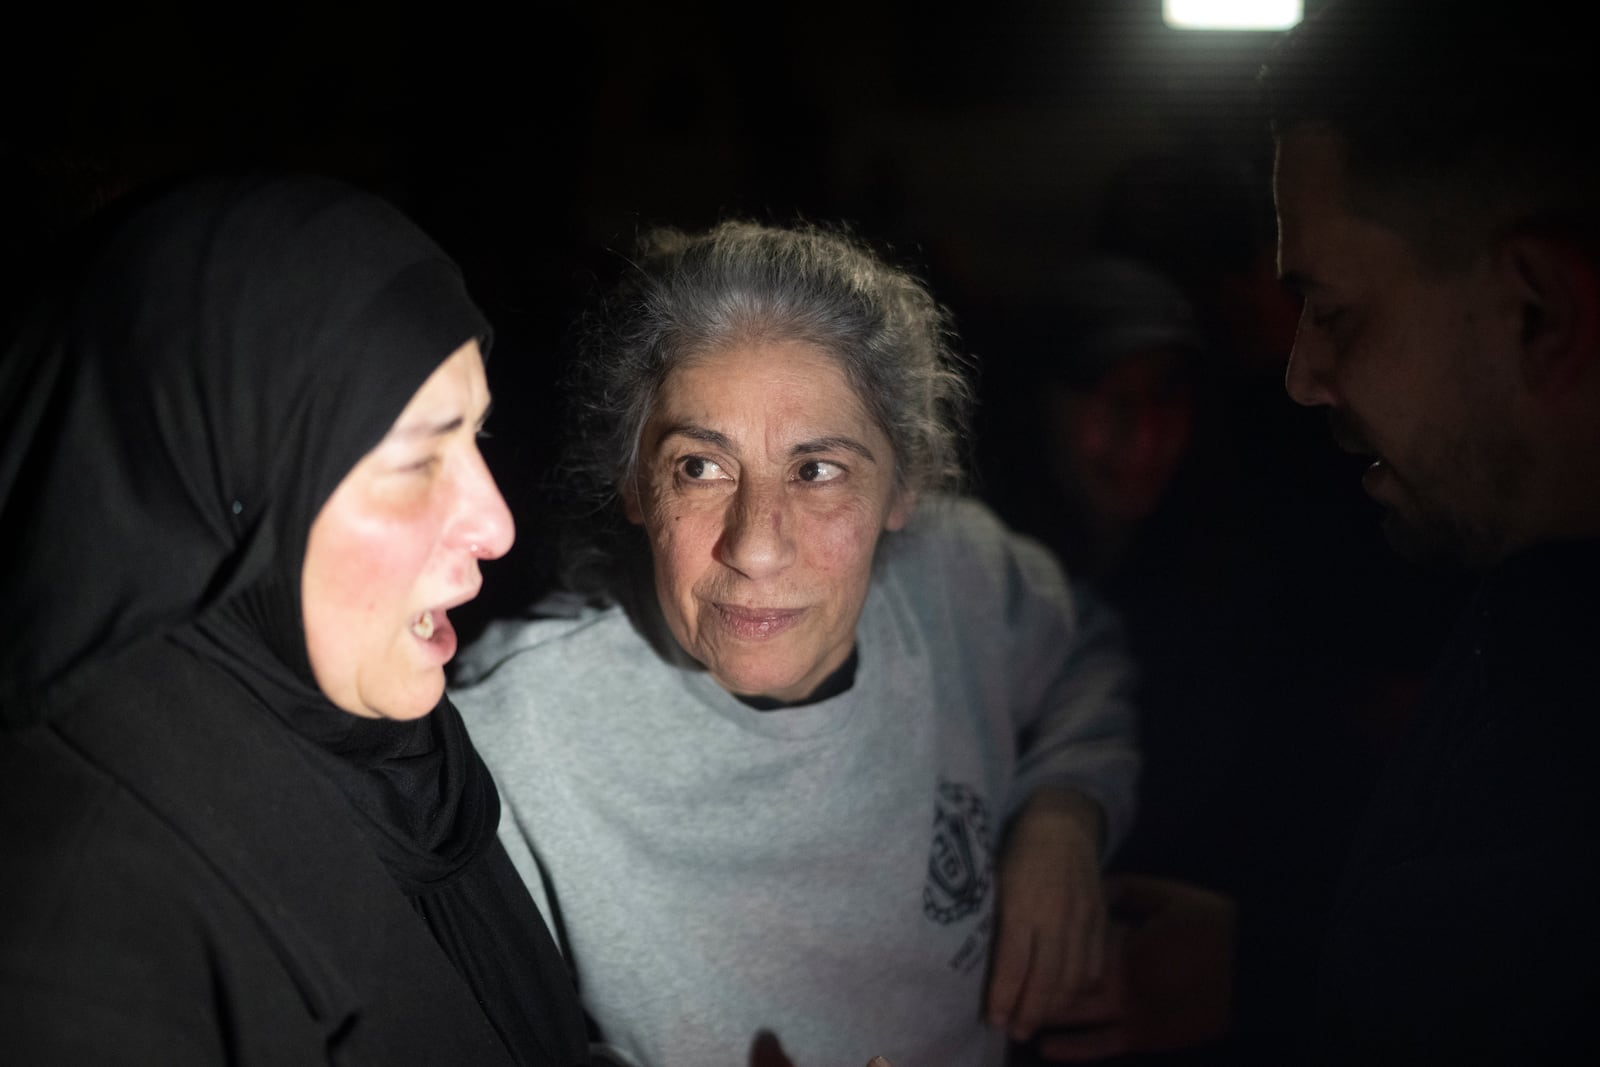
(1324, 318)
(819, 470)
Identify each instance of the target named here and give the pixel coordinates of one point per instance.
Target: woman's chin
(412, 702)
(765, 682)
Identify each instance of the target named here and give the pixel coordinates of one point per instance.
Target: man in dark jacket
(1438, 199)
(1439, 209)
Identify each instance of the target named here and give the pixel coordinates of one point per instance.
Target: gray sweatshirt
(822, 873)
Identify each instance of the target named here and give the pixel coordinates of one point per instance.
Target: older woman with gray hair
(783, 643)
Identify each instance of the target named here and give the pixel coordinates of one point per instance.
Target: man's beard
(1434, 535)
(1422, 530)
(1435, 540)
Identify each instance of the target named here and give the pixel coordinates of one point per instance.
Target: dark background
(983, 132)
(976, 143)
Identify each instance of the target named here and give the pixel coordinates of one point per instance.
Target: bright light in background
(1231, 14)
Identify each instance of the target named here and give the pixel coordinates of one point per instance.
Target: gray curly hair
(738, 283)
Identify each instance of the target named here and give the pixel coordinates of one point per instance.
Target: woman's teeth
(423, 627)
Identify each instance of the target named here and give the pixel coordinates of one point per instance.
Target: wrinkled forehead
(769, 375)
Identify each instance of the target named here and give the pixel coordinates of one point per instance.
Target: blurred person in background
(1254, 765)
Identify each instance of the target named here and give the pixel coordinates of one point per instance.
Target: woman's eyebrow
(833, 444)
(433, 426)
(696, 432)
(411, 431)
(812, 447)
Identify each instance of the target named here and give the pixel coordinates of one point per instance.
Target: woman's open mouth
(433, 629)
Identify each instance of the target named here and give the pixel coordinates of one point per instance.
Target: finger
(1094, 948)
(1040, 988)
(1102, 1003)
(1013, 947)
(1083, 943)
(1073, 974)
(767, 1051)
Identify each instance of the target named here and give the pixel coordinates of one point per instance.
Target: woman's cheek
(841, 538)
(381, 560)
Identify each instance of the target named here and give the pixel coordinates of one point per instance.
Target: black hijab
(169, 430)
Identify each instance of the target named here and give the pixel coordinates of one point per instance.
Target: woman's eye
(700, 469)
(421, 466)
(819, 470)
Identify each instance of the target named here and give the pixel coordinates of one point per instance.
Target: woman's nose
(483, 523)
(757, 538)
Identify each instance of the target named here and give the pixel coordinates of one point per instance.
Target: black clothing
(205, 860)
(1467, 927)
(184, 887)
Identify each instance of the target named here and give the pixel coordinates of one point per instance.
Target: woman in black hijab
(239, 490)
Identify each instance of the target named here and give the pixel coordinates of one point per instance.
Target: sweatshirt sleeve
(1075, 713)
(1055, 657)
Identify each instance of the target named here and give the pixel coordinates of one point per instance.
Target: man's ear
(1556, 283)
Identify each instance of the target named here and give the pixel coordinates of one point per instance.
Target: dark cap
(1111, 307)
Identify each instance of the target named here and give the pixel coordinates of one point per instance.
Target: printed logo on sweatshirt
(962, 860)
